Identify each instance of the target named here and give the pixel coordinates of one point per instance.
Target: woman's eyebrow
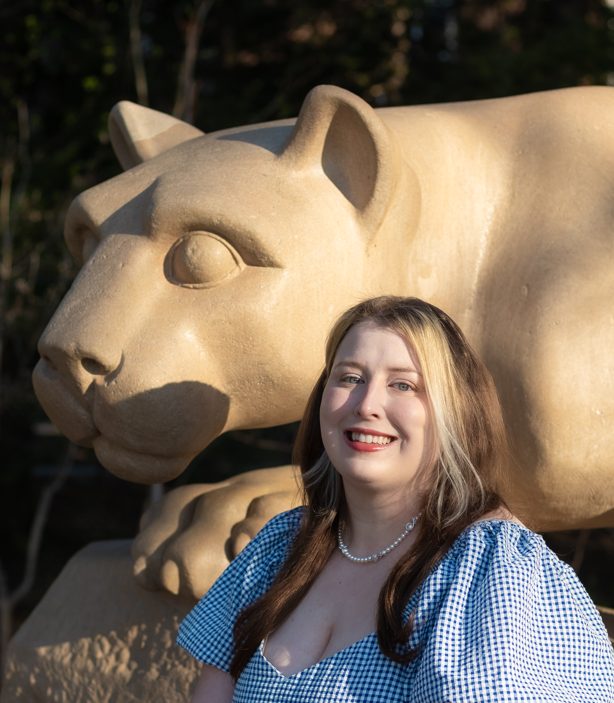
(348, 362)
(403, 369)
(390, 369)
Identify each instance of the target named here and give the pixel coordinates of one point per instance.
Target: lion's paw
(190, 536)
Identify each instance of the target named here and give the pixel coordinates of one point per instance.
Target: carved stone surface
(96, 637)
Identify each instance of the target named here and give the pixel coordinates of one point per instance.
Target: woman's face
(374, 416)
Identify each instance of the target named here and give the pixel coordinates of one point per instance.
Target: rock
(96, 637)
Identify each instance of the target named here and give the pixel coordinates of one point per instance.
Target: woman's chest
(358, 674)
(339, 610)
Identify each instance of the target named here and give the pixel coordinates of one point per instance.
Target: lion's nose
(68, 358)
(96, 368)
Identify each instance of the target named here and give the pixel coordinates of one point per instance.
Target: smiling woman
(404, 577)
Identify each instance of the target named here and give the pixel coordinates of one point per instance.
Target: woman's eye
(201, 259)
(353, 380)
(402, 386)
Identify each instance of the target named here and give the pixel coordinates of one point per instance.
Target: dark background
(63, 65)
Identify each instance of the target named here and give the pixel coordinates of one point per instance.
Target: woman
(404, 577)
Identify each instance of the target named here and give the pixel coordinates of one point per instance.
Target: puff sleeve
(206, 633)
(503, 619)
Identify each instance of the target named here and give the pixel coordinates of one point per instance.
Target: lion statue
(213, 267)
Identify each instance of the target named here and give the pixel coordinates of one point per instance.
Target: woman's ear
(340, 134)
(138, 133)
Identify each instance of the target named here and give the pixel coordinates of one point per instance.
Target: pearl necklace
(378, 555)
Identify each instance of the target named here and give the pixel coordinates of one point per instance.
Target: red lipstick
(364, 446)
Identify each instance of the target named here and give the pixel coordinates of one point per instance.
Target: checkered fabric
(501, 619)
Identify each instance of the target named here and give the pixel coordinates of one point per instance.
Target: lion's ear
(340, 134)
(138, 133)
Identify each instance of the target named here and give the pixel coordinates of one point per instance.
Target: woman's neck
(373, 521)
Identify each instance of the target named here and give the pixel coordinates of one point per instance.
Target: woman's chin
(368, 477)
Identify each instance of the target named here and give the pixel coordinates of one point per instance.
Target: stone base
(97, 637)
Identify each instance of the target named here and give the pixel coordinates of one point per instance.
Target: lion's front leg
(190, 536)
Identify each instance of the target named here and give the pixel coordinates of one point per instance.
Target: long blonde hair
(467, 474)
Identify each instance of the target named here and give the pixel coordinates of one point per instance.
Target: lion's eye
(202, 259)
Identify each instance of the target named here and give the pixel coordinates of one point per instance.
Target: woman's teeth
(369, 438)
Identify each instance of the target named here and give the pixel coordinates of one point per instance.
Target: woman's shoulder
(284, 523)
(272, 544)
(499, 567)
(206, 632)
(498, 535)
(279, 532)
(253, 570)
(508, 603)
(485, 553)
(498, 549)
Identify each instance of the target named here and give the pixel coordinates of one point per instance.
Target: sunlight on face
(374, 416)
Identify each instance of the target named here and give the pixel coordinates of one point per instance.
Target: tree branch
(185, 101)
(136, 48)
(6, 263)
(8, 215)
(8, 600)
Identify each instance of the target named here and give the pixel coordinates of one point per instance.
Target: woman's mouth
(369, 438)
(367, 442)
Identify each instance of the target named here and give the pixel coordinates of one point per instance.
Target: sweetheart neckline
(313, 666)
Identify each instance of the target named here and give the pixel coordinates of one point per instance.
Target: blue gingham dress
(501, 618)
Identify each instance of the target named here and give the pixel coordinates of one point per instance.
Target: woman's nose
(369, 401)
